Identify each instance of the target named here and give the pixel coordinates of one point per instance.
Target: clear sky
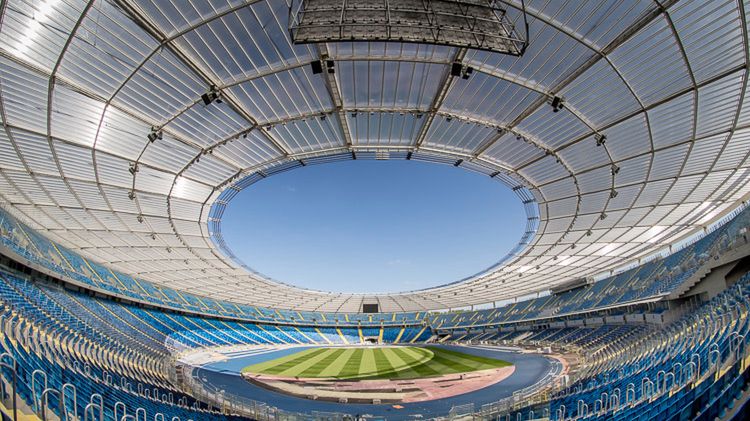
(373, 226)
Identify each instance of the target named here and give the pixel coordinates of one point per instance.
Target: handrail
(14, 386)
(34, 375)
(89, 408)
(68, 386)
(119, 404)
(47, 392)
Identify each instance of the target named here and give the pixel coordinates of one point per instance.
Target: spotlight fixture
(557, 104)
(169, 249)
(133, 168)
(131, 195)
(354, 114)
(600, 139)
(155, 134)
(212, 95)
(330, 66)
(603, 216)
(322, 117)
(153, 236)
(613, 194)
(316, 66)
(456, 68)
(615, 169)
(448, 118)
(139, 218)
(588, 233)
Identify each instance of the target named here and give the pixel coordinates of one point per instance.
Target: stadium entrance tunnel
(394, 221)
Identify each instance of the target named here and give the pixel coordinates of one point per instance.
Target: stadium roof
(85, 84)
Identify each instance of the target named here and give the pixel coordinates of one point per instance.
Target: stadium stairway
(343, 338)
(690, 371)
(400, 334)
(723, 262)
(327, 340)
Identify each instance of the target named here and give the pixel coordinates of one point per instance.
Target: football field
(374, 363)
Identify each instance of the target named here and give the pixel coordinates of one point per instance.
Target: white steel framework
(649, 144)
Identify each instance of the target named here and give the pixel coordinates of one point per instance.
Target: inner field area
(403, 362)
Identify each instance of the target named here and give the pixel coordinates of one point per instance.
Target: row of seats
(123, 353)
(656, 278)
(38, 249)
(693, 369)
(653, 279)
(69, 366)
(94, 346)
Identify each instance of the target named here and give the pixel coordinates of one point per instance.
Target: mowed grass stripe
(401, 366)
(296, 369)
(335, 367)
(381, 362)
(422, 369)
(315, 369)
(376, 363)
(280, 364)
(367, 366)
(350, 368)
(462, 364)
(417, 365)
(469, 357)
(448, 366)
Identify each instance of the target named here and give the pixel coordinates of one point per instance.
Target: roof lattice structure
(659, 86)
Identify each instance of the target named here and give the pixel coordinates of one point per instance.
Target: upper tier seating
(655, 278)
(27, 243)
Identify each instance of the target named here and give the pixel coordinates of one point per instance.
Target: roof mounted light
(556, 103)
(155, 134)
(212, 95)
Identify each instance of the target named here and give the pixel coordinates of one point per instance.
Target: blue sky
(373, 226)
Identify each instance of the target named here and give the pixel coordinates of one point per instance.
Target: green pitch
(374, 363)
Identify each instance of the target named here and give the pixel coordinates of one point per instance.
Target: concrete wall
(713, 284)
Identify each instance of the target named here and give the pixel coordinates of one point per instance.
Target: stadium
(131, 129)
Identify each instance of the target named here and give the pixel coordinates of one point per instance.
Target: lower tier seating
(74, 352)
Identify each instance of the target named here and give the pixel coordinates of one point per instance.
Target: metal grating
(478, 24)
